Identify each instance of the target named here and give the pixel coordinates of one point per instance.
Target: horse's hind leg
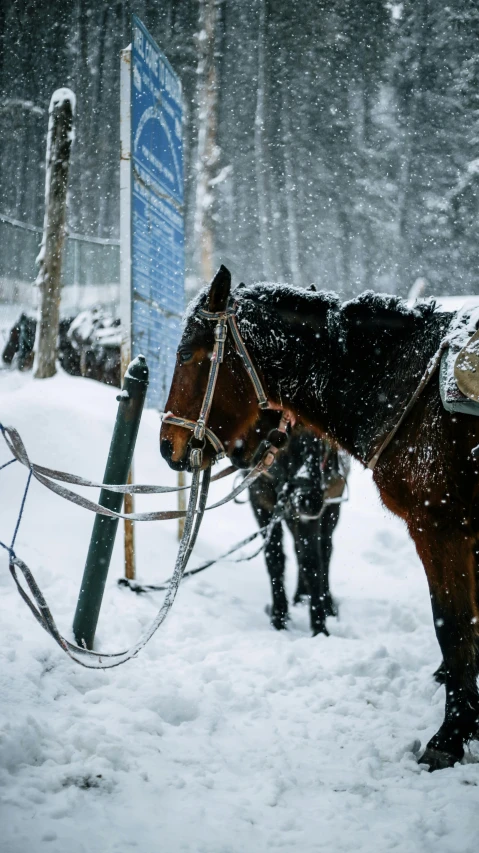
(440, 674)
(448, 558)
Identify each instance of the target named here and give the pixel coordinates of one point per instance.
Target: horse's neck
(354, 395)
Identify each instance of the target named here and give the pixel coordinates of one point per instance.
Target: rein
(34, 598)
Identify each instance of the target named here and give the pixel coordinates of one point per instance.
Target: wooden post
(59, 142)
(125, 271)
(129, 507)
(181, 502)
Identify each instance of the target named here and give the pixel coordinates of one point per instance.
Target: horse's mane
(377, 315)
(369, 309)
(298, 301)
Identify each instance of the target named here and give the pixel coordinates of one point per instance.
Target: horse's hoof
(279, 621)
(321, 630)
(330, 607)
(437, 759)
(440, 674)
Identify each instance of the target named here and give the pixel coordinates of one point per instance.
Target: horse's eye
(185, 355)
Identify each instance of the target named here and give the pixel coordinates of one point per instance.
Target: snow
(222, 736)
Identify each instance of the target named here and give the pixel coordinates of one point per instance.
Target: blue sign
(157, 238)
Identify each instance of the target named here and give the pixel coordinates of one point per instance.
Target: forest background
(326, 141)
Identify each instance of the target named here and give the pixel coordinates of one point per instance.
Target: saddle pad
(337, 479)
(462, 333)
(466, 369)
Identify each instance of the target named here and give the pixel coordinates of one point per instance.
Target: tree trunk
(259, 149)
(208, 151)
(290, 187)
(60, 136)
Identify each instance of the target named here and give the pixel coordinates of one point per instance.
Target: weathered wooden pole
(125, 270)
(181, 503)
(129, 538)
(59, 142)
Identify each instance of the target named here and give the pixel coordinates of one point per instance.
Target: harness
(431, 368)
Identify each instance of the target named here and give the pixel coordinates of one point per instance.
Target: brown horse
(349, 370)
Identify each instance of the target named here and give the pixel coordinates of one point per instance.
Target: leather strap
(425, 379)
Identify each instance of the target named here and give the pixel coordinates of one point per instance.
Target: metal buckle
(196, 457)
(199, 431)
(221, 330)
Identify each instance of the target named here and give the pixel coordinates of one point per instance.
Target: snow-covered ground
(222, 736)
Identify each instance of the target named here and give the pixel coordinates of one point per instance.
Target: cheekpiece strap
(229, 315)
(247, 362)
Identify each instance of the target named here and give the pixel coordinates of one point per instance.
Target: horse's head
(28, 328)
(232, 408)
(11, 347)
(21, 343)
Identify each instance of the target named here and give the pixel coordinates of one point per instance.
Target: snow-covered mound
(222, 736)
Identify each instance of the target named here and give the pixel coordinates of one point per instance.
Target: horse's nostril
(166, 449)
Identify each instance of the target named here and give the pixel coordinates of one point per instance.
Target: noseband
(224, 320)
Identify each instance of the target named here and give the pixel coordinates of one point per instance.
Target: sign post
(151, 215)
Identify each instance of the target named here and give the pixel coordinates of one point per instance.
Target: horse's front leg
(328, 525)
(301, 588)
(263, 499)
(446, 549)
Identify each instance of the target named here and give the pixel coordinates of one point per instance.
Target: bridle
(225, 320)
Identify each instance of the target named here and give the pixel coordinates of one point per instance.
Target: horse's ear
(219, 290)
(312, 287)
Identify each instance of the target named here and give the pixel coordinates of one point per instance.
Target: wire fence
(90, 275)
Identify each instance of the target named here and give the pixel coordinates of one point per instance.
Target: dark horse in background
(21, 343)
(88, 345)
(349, 370)
(296, 489)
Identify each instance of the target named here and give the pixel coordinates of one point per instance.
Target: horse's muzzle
(166, 450)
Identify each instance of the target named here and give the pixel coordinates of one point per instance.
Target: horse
(363, 374)
(88, 345)
(21, 343)
(96, 338)
(305, 476)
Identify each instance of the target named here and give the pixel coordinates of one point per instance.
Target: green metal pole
(122, 445)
